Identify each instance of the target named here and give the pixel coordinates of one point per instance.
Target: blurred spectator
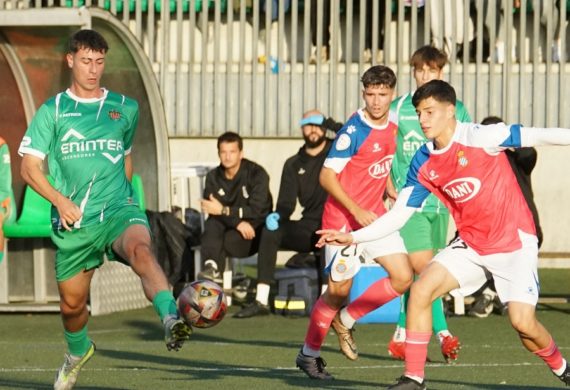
(324, 51)
(275, 7)
(447, 25)
(369, 51)
(548, 10)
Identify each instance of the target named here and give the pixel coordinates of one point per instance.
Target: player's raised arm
(501, 135)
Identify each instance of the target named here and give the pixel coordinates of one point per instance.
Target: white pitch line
(256, 369)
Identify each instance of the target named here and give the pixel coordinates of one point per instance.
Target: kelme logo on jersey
(114, 115)
(381, 169)
(461, 190)
(73, 145)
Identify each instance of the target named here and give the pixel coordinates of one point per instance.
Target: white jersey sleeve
(500, 136)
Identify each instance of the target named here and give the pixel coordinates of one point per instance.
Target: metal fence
(254, 66)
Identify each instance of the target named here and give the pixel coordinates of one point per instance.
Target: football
(202, 304)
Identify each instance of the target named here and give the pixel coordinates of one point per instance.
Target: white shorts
(343, 262)
(515, 273)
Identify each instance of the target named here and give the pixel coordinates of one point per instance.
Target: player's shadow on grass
(177, 369)
(153, 331)
(433, 385)
(558, 308)
(16, 384)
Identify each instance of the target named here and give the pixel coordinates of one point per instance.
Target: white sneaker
(67, 375)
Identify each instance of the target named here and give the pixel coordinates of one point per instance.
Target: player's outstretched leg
(537, 339)
(345, 339)
(67, 375)
(176, 332)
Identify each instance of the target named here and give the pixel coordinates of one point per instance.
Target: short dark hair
(379, 75)
(229, 137)
(439, 90)
(491, 120)
(87, 39)
(430, 56)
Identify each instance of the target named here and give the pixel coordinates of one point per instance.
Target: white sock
(262, 294)
(399, 335)
(310, 352)
(416, 378)
(561, 370)
(442, 334)
(346, 318)
(212, 263)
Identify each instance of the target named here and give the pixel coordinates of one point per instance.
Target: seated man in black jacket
(236, 199)
(299, 181)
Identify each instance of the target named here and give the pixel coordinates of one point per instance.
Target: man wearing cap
(299, 181)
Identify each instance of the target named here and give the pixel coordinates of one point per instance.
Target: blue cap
(312, 120)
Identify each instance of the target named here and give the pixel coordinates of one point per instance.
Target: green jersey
(410, 138)
(5, 172)
(86, 141)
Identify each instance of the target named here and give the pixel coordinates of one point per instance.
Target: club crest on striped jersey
(381, 169)
(342, 142)
(462, 189)
(461, 159)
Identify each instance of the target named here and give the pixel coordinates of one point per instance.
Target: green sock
(1, 255)
(403, 309)
(77, 342)
(164, 304)
(438, 316)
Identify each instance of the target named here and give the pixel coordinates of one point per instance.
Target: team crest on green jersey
(114, 115)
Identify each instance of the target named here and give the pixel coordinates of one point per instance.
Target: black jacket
(522, 162)
(300, 180)
(247, 194)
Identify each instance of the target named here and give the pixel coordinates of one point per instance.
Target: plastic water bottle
(273, 63)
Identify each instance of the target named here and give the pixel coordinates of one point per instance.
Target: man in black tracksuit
(299, 181)
(237, 200)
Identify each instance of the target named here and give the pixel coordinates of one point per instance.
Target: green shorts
(83, 249)
(425, 231)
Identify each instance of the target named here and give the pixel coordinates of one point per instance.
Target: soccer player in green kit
(86, 133)
(426, 232)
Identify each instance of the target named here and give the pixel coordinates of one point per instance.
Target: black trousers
(219, 241)
(298, 236)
